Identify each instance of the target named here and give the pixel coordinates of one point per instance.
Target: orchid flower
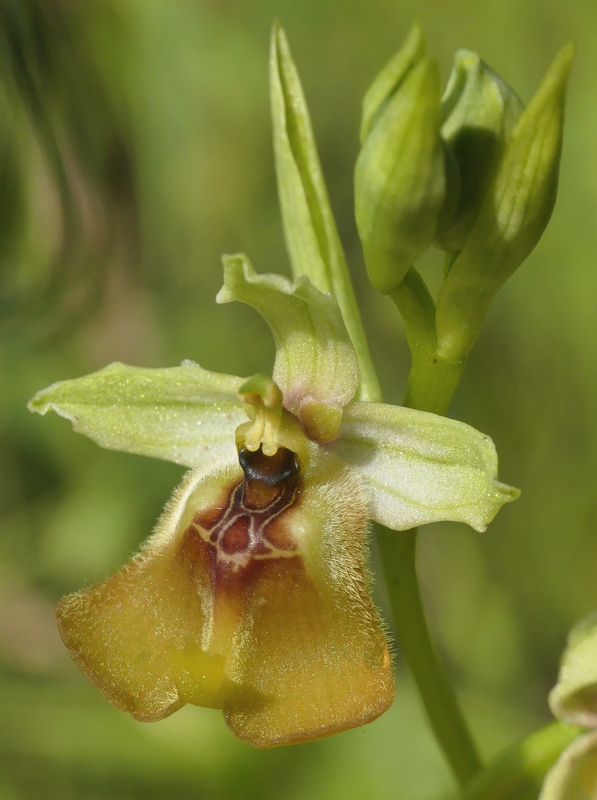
(253, 593)
(573, 700)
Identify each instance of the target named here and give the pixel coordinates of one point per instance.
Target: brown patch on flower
(247, 521)
(236, 538)
(207, 517)
(279, 535)
(276, 470)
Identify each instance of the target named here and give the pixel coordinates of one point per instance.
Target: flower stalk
(430, 388)
(398, 557)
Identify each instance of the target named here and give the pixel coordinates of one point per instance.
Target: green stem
(517, 774)
(398, 555)
(431, 384)
(417, 309)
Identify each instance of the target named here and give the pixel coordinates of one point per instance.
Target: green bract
(310, 231)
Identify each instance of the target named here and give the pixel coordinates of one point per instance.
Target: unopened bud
(479, 111)
(399, 176)
(514, 213)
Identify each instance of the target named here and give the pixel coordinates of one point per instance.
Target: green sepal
(183, 414)
(310, 230)
(574, 698)
(315, 360)
(574, 775)
(420, 467)
(400, 178)
(479, 112)
(515, 211)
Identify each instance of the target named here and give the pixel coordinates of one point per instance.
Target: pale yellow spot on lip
(589, 779)
(199, 676)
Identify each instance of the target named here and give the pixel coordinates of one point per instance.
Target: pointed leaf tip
(310, 230)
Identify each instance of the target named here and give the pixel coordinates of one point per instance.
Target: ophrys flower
(253, 593)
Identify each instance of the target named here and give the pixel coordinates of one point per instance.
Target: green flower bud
(399, 176)
(390, 78)
(514, 213)
(479, 112)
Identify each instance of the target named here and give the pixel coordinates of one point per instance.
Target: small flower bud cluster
(473, 173)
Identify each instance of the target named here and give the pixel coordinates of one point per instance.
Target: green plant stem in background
(398, 555)
(518, 773)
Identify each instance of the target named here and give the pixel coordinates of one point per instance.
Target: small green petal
(183, 414)
(420, 467)
(315, 361)
(574, 775)
(574, 697)
(310, 230)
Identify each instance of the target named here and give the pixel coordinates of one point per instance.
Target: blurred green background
(135, 149)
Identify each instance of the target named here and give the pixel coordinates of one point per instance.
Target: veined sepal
(420, 467)
(315, 361)
(183, 414)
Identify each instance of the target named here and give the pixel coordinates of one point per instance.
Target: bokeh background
(135, 148)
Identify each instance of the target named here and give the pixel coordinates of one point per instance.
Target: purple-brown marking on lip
(236, 538)
(247, 521)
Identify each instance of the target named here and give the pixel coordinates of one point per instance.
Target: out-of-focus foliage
(135, 148)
